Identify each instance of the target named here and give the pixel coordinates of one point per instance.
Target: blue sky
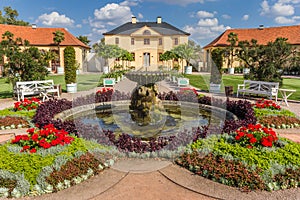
(203, 19)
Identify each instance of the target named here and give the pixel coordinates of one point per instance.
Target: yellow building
(262, 34)
(42, 38)
(146, 41)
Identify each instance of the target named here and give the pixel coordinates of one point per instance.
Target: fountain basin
(177, 116)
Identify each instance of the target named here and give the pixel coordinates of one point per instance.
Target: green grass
(90, 81)
(202, 82)
(84, 82)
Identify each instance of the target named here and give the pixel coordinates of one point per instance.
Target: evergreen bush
(70, 65)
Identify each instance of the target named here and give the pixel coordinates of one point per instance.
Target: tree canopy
(22, 61)
(10, 17)
(84, 39)
(266, 62)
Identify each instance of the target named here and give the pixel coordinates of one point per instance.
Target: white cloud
(245, 17)
(113, 14)
(110, 16)
(140, 16)
(204, 14)
(208, 22)
(285, 20)
(265, 8)
(226, 16)
(130, 3)
(55, 19)
(180, 2)
(280, 9)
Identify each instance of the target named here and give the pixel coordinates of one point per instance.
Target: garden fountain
(143, 114)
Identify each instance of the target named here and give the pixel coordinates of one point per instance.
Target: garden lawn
(201, 81)
(84, 82)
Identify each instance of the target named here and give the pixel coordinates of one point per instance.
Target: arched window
(146, 32)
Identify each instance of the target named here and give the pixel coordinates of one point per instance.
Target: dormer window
(146, 32)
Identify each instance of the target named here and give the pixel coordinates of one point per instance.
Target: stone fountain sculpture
(144, 101)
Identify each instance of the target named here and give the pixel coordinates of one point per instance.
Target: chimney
(158, 20)
(261, 27)
(133, 20)
(33, 26)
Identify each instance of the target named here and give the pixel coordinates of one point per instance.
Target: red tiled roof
(41, 36)
(262, 35)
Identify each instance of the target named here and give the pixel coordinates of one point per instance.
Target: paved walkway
(153, 179)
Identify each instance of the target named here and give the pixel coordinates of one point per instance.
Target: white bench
(269, 89)
(109, 82)
(28, 88)
(183, 82)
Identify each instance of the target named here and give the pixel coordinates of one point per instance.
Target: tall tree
(266, 62)
(84, 39)
(22, 61)
(185, 52)
(10, 17)
(107, 51)
(230, 54)
(58, 37)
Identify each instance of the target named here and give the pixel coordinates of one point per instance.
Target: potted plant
(70, 69)
(185, 52)
(216, 77)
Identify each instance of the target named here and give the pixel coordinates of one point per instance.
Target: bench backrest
(261, 85)
(33, 85)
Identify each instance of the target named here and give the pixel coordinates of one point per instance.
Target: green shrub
(70, 65)
(32, 164)
(277, 167)
(10, 112)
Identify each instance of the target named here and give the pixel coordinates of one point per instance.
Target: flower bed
(53, 153)
(272, 115)
(27, 104)
(11, 122)
(225, 159)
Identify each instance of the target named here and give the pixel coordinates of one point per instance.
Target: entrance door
(146, 59)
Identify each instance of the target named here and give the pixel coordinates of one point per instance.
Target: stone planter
(71, 88)
(60, 70)
(105, 70)
(188, 69)
(214, 88)
(231, 70)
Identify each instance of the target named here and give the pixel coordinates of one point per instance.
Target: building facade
(42, 38)
(262, 34)
(146, 41)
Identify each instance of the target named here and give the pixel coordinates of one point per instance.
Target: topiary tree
(217, 57)
(70, 65)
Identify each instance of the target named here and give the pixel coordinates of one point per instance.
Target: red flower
(253, 140)
(33, 150)
(26, 147)
(35, 137)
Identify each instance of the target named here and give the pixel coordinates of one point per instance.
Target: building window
(146, 41)
(146, 32)
(117, 40)
(175, 41)
(160, 41)
(133, 56)
(132, 41)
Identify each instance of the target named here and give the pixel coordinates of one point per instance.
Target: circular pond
(176, 116)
